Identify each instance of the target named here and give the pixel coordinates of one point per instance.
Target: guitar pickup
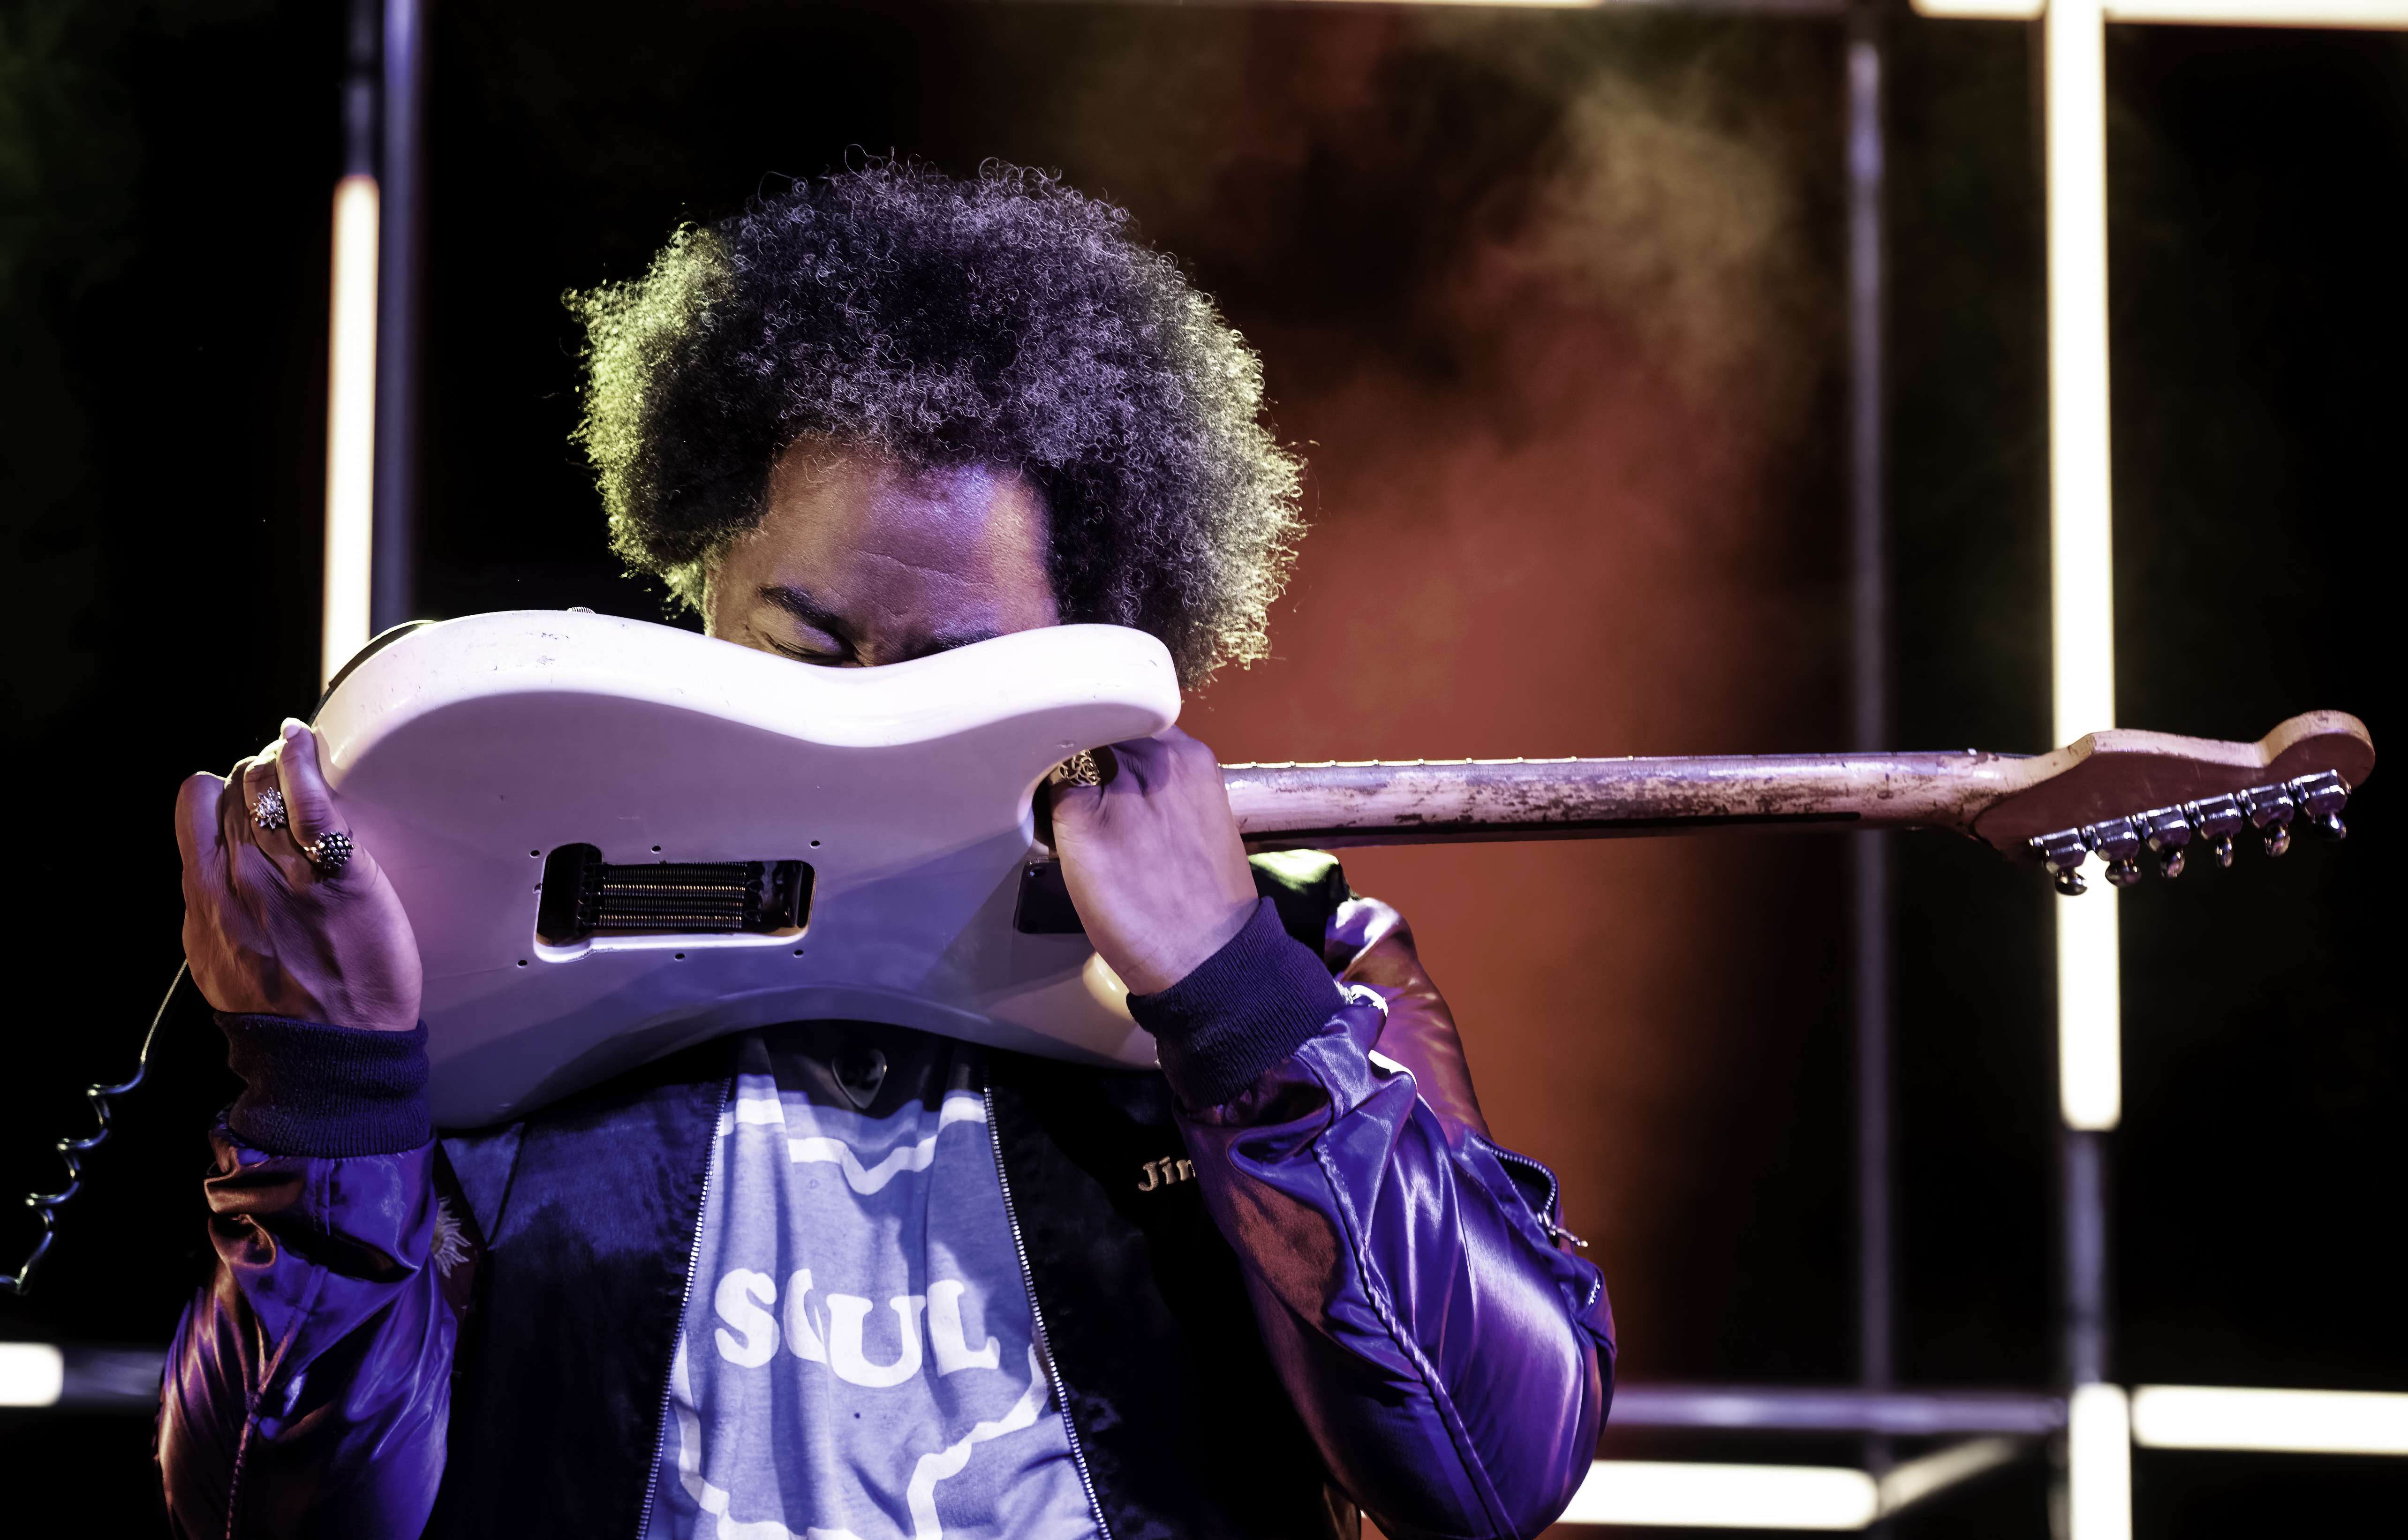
(585, 896)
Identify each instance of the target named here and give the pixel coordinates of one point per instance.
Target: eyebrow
(807, 610)
(811, 611)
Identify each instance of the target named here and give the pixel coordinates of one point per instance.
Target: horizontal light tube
(2230, 13)
(2263, 13)
(1837, 1409)
(31, 1374)
(2198, 1416)
(1678, 1494)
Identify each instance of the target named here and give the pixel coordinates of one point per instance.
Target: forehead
(826, 503)
(861, 535)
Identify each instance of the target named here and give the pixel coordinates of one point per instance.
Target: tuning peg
(2217, 819)
(2062, 853)
(2168, 832)
(2269, 811)
(2321, 798)
(2119, 845)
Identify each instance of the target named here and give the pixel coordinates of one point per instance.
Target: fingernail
(292, 725)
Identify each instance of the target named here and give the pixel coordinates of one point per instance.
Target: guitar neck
(1348, 804)
(2098, 785)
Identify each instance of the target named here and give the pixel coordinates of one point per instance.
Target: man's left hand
(1154, 861)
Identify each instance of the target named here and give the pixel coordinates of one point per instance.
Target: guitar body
(468, 755)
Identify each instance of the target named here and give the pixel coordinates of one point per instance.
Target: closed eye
(798, 627)
(834, 654)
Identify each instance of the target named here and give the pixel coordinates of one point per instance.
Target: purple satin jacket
(1358, 1303)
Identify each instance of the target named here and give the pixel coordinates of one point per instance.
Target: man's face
(859, 562)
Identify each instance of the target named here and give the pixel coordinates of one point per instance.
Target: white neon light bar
(1505, 4)
(350, 424)
(2227, 13)
(2264, 13)
(2089, 1016)
(1689, 1495)
(2198, 1416)
(2082, 553)
(2099, 1463)
(31, 1374)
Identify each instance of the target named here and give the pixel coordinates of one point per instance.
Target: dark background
(1565, 504)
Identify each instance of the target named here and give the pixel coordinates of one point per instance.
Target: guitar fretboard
(1340, 804)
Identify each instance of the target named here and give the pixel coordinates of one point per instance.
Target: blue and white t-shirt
(857, 1358)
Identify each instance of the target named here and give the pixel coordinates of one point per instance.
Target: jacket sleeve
(308, 1382)
(1451, 1355)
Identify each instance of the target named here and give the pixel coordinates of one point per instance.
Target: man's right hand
(265, 932)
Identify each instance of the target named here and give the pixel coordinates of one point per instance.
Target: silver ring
(267, 811)
(328, 853)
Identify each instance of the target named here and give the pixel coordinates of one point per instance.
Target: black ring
(329, 853)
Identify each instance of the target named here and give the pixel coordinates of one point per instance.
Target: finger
(259, 775)
(196, 816)
(1142, 764)
(1040, 808)
(235, 826)
(1065, 811)
(280, 839)
(307, 799)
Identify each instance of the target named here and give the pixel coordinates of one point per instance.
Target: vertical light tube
(350, 425)
(2099, 1463)
(2081, 612)
(400, 164)
(1869, 702)
(2090, 1018)
(2082, 626)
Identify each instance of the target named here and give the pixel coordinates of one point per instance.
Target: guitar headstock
(2122, 796)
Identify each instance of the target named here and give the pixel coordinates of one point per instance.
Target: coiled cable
(73, 1150)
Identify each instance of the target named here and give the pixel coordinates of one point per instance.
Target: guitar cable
(73, 1150)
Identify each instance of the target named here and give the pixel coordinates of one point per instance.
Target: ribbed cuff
(312, 1089)
(1244, 1009)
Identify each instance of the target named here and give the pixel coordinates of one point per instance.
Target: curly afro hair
(1006, 321)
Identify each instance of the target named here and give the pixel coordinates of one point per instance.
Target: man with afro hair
(839, 1279)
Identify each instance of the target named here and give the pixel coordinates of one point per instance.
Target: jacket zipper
(685, 1298)
(1554, 1195)
(1036, 1320)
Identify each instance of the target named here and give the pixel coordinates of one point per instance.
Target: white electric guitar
(616, 838)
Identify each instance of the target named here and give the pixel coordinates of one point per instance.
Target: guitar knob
(2270, 809)
(2062, 853)
(2320, 798)
(2117, 841)
(2217, 819)
(2168, 832)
